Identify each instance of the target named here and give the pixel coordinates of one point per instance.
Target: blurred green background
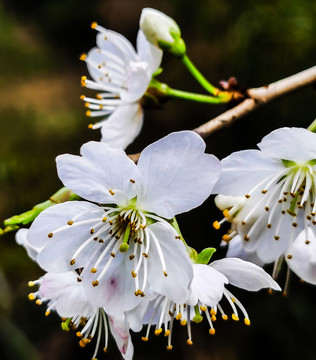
(41, 116)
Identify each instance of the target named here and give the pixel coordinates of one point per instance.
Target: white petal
(301, 256)
(296, 144)
(244, 274)
(148, 52)
(207, 285)
(97, 171)
(138, 79)
(235, 249)
(120, 332)
(116, 288)
(21, 239)
(175, 286)
(177, 175)
(242, 170)
(123, 126)
(58, 249)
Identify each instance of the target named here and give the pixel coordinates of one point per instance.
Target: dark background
(42, 116)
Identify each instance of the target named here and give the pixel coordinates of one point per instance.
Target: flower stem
(199, 77)
(198, 97)
(312, 126)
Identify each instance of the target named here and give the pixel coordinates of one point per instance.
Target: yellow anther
(30, 283)
(50, 235)
(203, 308)
(226, 213)
(167, 333)
(133, 273)
(104, 219)
(93, 270)
(82, 97)
(183, 322)
(78, 333)
(95, 283)
(38, 302)
(87, 104)
(179, 316)
(225, 317)
(213, 312)
(270, 291)
(70, 222)
(98, 96)
(213, 318)
(83, 57)
(94, 24)
(169, 347)
(216, 225)
(47, 312)
(165, 273)
(83, 80)
(235, 317)
(72, 261)
(84, 342)
(31, 296)
(88, 113)
(226, 238)
(105, 350)
(144, 338)
(247, 321)
(158, 331)
(233, 299)
(189, 342)
(90, 126)
(111, 192)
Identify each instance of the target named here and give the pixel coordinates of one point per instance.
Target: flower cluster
(114, 257)
(269, 196)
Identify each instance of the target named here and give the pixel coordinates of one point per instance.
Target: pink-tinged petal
(177, 175)
(99, 170)
(175, 286)
(123, 126)
(242, 170)
(301, 256)
(115, 291)
(244, 274)
(21, 239)
(295, 144)
(148, 52)
(120, 331)
(207, 285)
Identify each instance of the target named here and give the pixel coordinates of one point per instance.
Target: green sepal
(311, 162)
(205, 256)
(288, 163)
(178, 48)
(157, 72)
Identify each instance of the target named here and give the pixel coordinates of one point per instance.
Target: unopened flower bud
(162, 31)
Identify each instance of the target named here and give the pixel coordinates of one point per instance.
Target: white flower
(126, 242)
(206, 291)
(121, 75)
(21, 239)
(279, 185)
(65, 294)
(158, 27)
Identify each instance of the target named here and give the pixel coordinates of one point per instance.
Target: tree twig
(258, 97)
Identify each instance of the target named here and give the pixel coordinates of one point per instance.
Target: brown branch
(258, 97)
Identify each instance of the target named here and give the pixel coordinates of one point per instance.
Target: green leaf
(205, 256)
